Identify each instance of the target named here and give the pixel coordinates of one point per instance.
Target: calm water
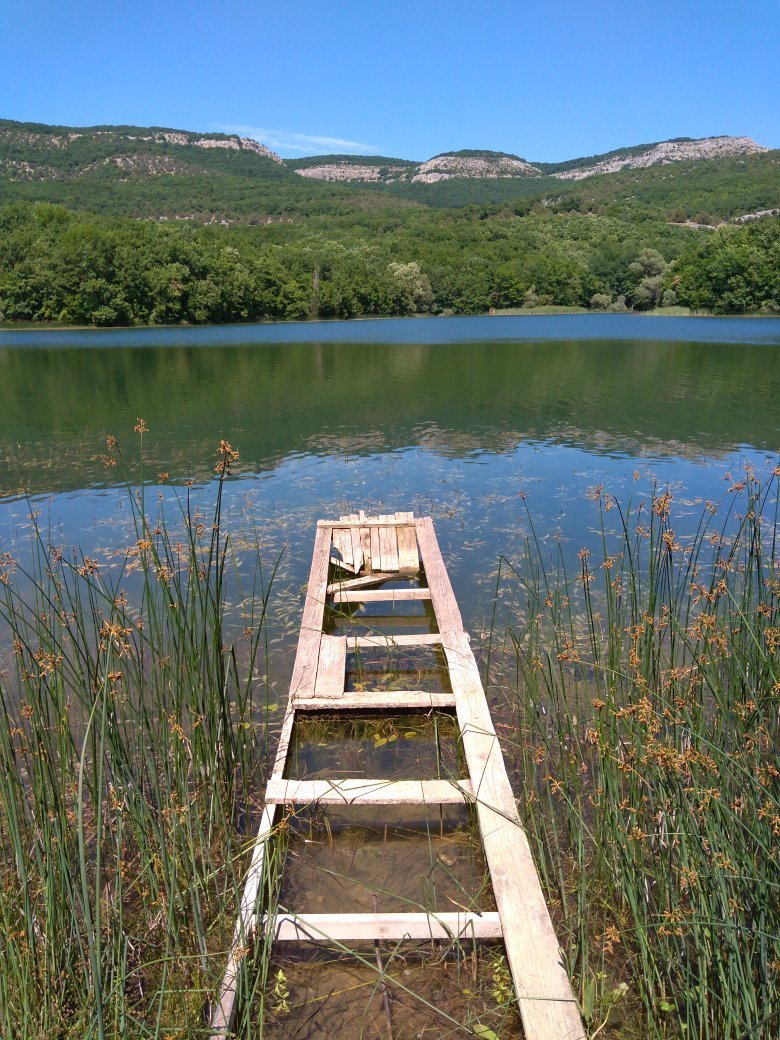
(451, 417)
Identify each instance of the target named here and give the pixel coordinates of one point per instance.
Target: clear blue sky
(548, 80)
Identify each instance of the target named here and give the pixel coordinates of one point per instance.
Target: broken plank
(357, 583)
(379, 595)
(376, 554)
(357, 545)
(392, 926)
(342, 550)
(365, 546)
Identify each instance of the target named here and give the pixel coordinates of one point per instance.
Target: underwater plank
(379, 595)
(393, 926)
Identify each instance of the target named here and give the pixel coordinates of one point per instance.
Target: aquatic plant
(647, 695)
(128, 752)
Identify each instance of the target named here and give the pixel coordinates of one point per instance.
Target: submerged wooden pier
(354, 557)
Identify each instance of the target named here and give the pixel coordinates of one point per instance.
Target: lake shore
(550, 310)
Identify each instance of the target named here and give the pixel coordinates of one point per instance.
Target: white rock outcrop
(346, 171)
(668, 152)
(445, 167)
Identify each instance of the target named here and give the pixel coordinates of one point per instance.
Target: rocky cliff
(664, 153)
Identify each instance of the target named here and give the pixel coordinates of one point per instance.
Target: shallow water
(456, 418)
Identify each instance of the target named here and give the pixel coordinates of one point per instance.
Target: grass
(127, 743)
(669, 312)
(648, 696)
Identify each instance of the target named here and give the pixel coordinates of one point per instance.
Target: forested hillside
(134, 225)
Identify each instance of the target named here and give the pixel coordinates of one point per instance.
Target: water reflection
(655, 399)
(458, 430)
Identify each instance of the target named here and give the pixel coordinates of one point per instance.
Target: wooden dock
(354, 557)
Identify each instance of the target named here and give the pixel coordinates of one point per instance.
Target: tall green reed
(648, 699)
(129, 772)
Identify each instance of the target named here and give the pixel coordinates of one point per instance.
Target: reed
(647, 693)
(133, 745)
(129, 769)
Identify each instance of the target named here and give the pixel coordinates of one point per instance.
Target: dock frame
(366, 552)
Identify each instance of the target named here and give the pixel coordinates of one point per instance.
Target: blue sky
(548, 81)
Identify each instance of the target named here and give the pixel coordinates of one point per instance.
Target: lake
(470, 420)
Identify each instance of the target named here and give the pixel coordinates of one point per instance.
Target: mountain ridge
(164, 173)
(482, 163)
(463, 163)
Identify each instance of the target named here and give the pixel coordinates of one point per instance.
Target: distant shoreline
(509, 312)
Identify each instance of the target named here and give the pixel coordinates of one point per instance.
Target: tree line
(57, 265)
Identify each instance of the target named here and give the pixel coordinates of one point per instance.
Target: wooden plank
(392, 926)
(365, 543)
(314, 604)
(382, 624)
(342, 549)
(305, 668)
(285, 736)
(443, 598)
(545, 998)
(357, 583)
(390, 642)
(388, 544)
(378, 700)
(331, 667)
(376, 554)
(369, 792)
(307, 653)
(247, 919)
(357, 546)
(379, 595)
(372, 521)
(407, 542)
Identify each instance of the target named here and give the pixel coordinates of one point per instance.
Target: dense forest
(61, 266)
(118, 228)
